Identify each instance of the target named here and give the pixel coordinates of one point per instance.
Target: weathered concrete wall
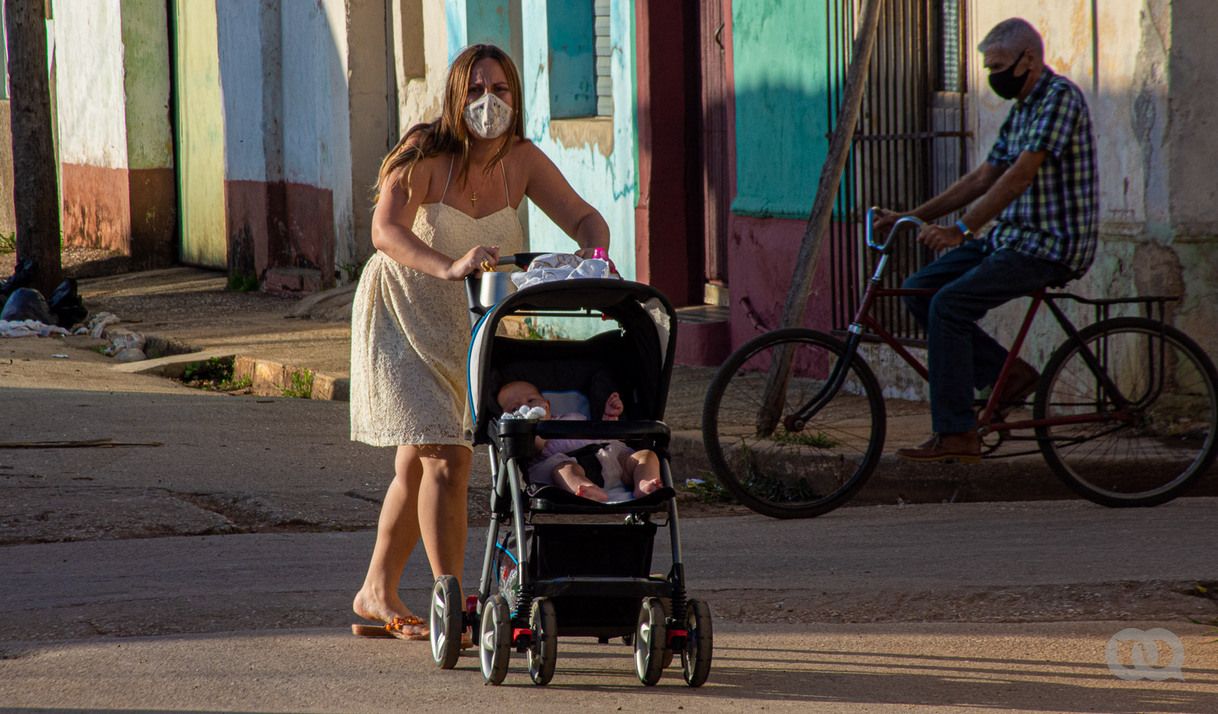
(92, 125)
(288, 180)
(373, 122)
(421, 56)
(149, 129)
(595, 154)
(247, 35)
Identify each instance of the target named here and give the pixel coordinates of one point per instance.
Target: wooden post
(822, 210)
(35, 184)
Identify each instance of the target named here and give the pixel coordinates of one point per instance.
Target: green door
(199, 134)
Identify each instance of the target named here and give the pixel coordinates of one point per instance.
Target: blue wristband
(964, 230)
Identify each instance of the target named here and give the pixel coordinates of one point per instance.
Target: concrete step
(704, 336)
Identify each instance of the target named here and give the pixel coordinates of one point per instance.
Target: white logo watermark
(1156, 654)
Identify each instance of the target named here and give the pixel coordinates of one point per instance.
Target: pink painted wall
(762, 254)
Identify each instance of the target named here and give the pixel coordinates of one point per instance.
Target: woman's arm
(395, 212)
(548, 188)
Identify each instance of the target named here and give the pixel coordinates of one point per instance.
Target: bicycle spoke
(795, 469)
(1162, 437)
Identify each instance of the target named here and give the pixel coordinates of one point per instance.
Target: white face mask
(489, 116)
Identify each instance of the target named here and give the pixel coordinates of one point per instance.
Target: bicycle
(1125, 411)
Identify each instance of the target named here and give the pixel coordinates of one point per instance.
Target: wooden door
(199, 133)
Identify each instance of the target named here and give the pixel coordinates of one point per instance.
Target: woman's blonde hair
(449, 134)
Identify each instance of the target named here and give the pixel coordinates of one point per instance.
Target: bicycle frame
(863, 321)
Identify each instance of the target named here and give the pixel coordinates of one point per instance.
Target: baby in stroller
(576, 465)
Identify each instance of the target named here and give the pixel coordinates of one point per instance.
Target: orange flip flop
(403, 628)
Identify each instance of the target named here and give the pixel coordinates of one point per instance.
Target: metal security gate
(909, 144)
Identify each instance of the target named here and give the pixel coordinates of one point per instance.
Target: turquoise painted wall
(782, 118)
(489, 21)
(603, 173)
(572, 59)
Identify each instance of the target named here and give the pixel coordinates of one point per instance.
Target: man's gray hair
(1015, 35)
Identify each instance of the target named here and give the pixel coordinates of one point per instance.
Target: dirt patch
(78, 263)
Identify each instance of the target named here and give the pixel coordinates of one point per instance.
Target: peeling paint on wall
(602, 170)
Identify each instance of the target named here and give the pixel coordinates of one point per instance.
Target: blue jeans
(971, 280)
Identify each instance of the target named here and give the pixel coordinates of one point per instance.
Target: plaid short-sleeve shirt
(1057, 217)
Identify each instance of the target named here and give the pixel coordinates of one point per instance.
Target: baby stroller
(556, 564)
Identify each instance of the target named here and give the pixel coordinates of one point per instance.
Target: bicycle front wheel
(813, 447)
(1152, 438)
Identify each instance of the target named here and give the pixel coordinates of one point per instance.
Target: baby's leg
(644, 469)
(572, 477)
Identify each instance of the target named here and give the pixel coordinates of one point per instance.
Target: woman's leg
(397, 532)
(442, 506)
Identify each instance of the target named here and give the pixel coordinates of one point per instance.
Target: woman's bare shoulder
(421, 176)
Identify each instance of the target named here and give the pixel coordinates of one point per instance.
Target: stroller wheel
(699, 643)
(543, 652)
(446, 621)
(494, 642)
(650, 636)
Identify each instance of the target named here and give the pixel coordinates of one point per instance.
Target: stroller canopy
(635, 360)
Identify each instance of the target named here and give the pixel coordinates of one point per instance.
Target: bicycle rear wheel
(789, 469)
(1153, 448)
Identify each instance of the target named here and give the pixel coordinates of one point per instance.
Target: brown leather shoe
(964, 448)
(1021, 381)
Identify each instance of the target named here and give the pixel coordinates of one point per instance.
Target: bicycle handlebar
(883, 247)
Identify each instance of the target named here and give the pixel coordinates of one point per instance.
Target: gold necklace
(473, 194)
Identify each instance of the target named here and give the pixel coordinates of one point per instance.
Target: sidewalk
(273, 338)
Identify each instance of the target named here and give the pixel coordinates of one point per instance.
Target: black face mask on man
(1006, 83)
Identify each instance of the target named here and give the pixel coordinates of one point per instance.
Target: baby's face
(518, 394)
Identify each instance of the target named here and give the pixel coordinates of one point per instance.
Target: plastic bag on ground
(27, 304)
(23, 275)
(67, 304)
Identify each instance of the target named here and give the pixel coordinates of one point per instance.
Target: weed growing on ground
(215, 375)
(819, 440)
(300, 384)
(8, 243)
(242, 283)
(707, 489)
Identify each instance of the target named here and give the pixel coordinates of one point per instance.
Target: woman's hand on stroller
(479, 259)
(613, 407)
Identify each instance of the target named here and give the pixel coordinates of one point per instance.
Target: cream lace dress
(410, 334)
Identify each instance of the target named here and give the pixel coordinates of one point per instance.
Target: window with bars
(908, 146)
(950, 74)
(580, 58)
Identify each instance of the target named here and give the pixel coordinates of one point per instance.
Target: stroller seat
(552, 499)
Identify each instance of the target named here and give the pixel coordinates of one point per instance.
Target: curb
(272, 379)
(171, 366)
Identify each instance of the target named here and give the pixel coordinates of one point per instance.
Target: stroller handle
(473, 283)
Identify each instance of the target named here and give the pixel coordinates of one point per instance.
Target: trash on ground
(27, 304)
(29, 328)
(98, 323)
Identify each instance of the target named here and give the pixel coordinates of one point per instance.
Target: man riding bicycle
(1039, 186)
